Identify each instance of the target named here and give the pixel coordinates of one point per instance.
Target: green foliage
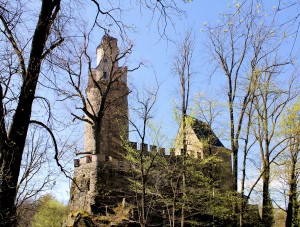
(290, 122)
(50, 213)
(207, 201)
(206, 191)
(290, 128)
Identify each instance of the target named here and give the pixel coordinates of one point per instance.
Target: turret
(107, 50)
(107, 62)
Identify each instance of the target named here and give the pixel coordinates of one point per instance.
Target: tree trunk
(173, 213)
(267, 207)
(292, 211)
(235, 167)
(97, 132)
(10, 165)
(184, 199)
(11, 149)
(242, 203)
(143, 204)
(183, 114)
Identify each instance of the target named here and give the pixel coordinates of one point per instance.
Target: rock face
(118, 216)
(79, 220)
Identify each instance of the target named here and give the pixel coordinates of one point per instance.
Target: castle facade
(100, 180)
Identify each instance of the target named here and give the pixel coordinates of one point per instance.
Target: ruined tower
(93, 186)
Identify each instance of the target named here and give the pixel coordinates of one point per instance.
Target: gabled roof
(204, 132)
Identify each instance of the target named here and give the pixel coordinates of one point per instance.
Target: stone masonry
(92, 171)
(99, 175)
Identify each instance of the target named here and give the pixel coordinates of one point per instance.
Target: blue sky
(157, 54)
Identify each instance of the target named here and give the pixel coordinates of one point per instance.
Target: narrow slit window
(88, 184)
(105, 75)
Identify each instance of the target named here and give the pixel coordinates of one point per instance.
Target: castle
(99, 180)
(102, 150)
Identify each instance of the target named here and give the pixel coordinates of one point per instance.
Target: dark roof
(204, 132)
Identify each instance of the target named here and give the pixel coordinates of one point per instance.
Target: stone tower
(94, 173)
(107, 81)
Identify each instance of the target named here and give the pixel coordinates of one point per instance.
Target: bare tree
(291, 24)
(35, 161)
(291, 131)
(239, 44)
(142, 162)
(30, 38)
(12, 141)
(269, 103)
(183, 70)
(248, 144)
(38, 173)
(230, 43)
(102, 85)
(244, 46)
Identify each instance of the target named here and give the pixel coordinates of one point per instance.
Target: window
(88, 184)
(88, 159)
(104, 75)
(76, 163)
(105, 60)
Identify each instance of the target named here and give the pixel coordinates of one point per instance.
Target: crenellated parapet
(151, 149)
(122, 164)
(97, 174)
(100, 159)
(147, 149)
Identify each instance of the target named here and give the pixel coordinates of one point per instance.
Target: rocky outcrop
(118, 216)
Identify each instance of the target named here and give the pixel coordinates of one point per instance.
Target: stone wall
(92, 175)
(83, 189)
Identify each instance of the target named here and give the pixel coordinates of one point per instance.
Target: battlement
(101, 158)
(148, 149)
